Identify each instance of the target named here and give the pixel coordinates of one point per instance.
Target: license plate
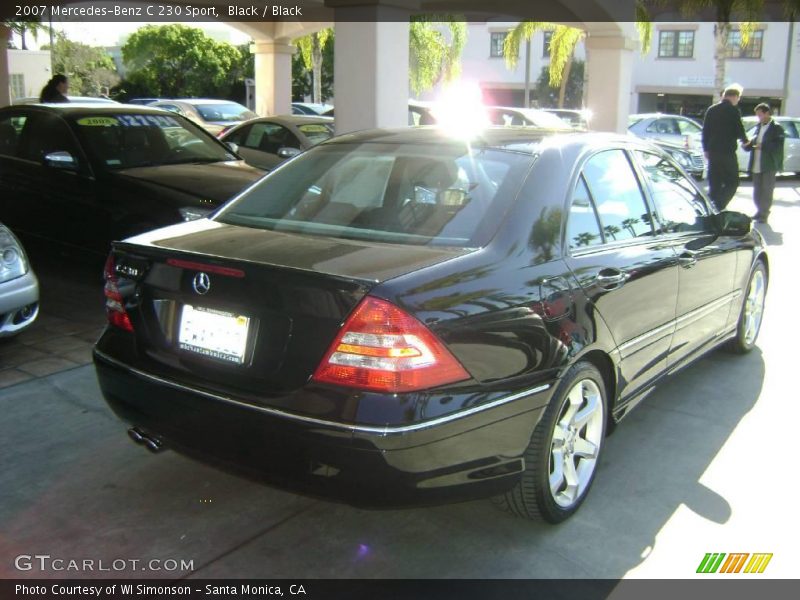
(214, 333)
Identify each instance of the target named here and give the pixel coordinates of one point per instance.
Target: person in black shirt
(55, 90)
(722, 127)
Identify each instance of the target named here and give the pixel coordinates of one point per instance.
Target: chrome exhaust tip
(151, 442)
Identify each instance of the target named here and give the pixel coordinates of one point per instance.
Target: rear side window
(583, 230)
(678, 204)
(617, 196)
(439, 194)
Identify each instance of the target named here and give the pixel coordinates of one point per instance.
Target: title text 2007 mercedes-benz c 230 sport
(401, 316)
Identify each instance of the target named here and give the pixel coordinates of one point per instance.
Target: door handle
(611, 278)
(687, 260)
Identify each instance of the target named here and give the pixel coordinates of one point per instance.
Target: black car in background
(88, 174)
(399, 315)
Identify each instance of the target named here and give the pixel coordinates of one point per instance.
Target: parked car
(215, 116)
(525, 117)
(578, 119)
(85, 175)
(791, 145)
(398, 316)
(310, 108)
(420, 112)
(692, 161)
(75, 99)
(675, 129)
(266, 142)
(19, 288)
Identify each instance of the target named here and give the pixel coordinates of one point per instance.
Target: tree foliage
(176, 60)
(547, 96)
(435, 46)
(313, 57)
(302, 77)
(90, 70)
(22, 27)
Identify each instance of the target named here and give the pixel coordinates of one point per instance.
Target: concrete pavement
(703, 465)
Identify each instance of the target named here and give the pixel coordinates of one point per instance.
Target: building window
(676, 44)
(17, 85)
(548, 36)
(751, 50)
(496, 42)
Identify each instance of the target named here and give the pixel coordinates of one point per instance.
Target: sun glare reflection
(459, 110)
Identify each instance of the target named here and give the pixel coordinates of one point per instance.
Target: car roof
(292, 120)
(202, 101)
(658, 115)
(78, 108)
(523, 139)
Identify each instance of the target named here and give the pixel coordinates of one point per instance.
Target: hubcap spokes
(577, 436)
(754, 307)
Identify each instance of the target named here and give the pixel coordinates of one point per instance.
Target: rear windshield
(316, 132)
(224, 111)
(437, 194)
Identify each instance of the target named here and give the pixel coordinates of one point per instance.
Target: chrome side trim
(384, 430)
(646, 336)
(701, 312)
(683, 320)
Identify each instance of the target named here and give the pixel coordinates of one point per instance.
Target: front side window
(791, 129)
(664, 127)
(583, 229)
(45, 134)
(270, 137)
(617, 196)
(439, 194)
(687, 127)
(734, 49)
(676, 44)
(496, 42)
(10, 134)
(678, 204)
(122, 141)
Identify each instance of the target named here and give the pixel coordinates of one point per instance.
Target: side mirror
(232, 147)
(61, 160)
(733, 224)
(287, 152)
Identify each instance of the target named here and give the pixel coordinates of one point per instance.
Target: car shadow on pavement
(77, 487)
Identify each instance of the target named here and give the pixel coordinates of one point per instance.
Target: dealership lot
(701, 466)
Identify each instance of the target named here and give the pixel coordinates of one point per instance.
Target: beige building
(28, 71)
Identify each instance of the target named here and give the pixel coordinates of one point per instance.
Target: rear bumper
(473, 453)
(19, 304)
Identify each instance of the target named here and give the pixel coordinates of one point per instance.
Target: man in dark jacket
(766, 160)
(721, 128)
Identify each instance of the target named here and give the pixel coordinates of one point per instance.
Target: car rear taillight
(382, 348)
(115, 308)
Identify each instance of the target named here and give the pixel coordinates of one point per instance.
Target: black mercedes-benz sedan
(399, 316)
(86, 174)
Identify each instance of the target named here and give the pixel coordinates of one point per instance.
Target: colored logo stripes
(719, 562)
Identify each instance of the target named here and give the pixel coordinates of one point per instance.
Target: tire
(751, 313)
(532, 498)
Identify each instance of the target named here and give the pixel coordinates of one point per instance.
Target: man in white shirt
(766, 160)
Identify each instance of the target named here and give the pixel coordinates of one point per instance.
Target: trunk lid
(265, 306)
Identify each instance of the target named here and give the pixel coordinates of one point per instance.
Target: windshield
(122, 141)
(224, 111)
(317, 132)
(437, 194)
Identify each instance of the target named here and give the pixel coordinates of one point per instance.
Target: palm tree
(629, 223)
(612, 230)
(585, 238)
(563, 41)
(311, 47)
(22, 27)
(432, 57)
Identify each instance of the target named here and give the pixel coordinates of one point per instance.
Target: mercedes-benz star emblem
(201, 283)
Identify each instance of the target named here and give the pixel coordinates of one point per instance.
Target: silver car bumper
(19, 304)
